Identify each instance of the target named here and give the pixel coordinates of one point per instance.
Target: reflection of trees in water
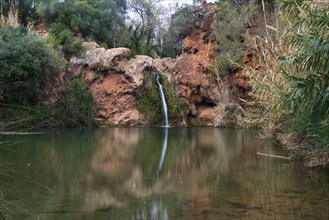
(113, 155)
(206, 151)
(203, 169)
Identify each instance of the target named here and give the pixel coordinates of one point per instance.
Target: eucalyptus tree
(146, 25)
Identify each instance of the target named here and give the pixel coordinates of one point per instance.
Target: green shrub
(26, 65)
(150, 105)
(93, 19)
(228, 35)
(61, 36)
(76, 107)
(16, 117)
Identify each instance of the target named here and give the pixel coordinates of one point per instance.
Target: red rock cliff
(116, 83)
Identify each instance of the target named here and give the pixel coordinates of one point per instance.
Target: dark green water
(118, 173)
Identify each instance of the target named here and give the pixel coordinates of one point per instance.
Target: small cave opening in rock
(207, 102)
(206, 39)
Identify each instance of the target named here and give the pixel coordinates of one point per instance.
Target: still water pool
(155, 173)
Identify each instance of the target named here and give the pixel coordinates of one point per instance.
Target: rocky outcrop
(117, 83)
(114, 82)
(191, 71)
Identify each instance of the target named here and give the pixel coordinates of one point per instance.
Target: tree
(76, 106)
(180, 25)
(145, 26)
(26, 65)
(89, 19)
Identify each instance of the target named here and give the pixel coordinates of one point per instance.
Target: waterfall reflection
(164, 150)
(154, 212)
(206, 173)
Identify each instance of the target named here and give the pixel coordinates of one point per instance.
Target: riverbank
(304, 151)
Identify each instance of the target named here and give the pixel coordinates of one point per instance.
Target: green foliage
(228, 34)
(306, 68)
(176, 106)
(145, 26)
(96, 20)
(180, 25)
(16, 117)
(61, 36)
(26, 65)
(296, 94)
(150, 105)
(77, 105)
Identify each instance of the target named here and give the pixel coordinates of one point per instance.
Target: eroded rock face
(117, 83)
(191, 73)
(114, 83)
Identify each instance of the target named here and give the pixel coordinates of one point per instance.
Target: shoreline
(303, 151)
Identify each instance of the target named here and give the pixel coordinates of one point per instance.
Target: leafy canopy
(96, 20)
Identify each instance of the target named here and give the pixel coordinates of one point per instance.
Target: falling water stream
(163, 99)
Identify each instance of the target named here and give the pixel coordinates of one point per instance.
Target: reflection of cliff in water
(200, 166)
(194, 156)
(205, 172)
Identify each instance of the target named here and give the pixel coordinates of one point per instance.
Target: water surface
(155, 173)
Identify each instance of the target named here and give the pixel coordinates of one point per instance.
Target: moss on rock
(149, 103)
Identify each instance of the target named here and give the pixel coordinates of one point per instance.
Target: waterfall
(163, 99)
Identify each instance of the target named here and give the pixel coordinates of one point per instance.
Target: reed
(11, 18)
(293, 85)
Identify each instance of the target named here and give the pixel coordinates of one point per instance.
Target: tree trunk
(1, 13)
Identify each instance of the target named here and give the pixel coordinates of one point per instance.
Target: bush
(228, 35)
(77, 105)
(26, 65)
(149, 104)
(96, 20)
(15, 117)
(62, 37)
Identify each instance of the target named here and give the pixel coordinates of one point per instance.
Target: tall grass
(293, 86)
(11, 17)
(19, 117)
